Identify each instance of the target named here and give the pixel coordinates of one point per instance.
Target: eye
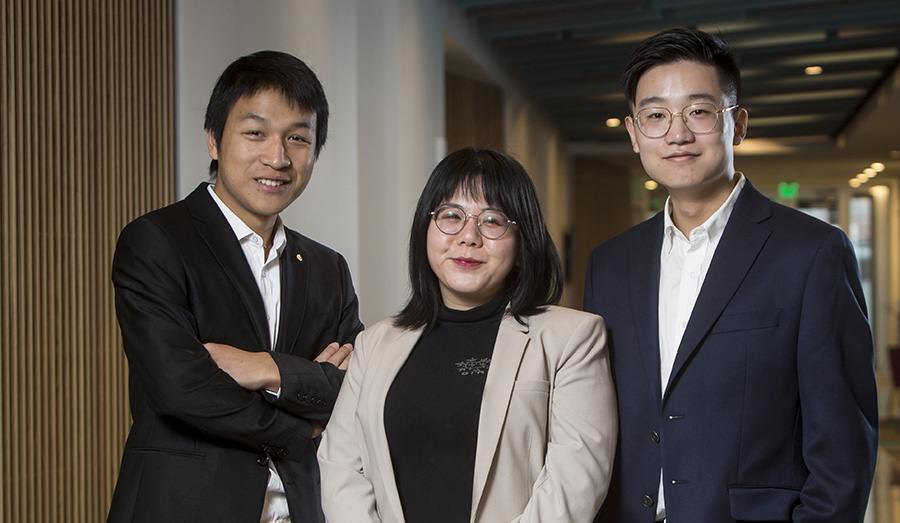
(654, 114)
(299, 138)
(493, 219)
(449, 215)
(698, 111)
(253, 134)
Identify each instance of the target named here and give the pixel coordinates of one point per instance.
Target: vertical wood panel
(86, 126)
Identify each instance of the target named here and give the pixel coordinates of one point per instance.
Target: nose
(276, 157)
(679, 132)
(470, 235)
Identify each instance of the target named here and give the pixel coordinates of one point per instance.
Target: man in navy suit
(236, 328)
(741, 352)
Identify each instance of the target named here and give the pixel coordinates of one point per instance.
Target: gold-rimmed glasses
(701, 118)
(451, 219)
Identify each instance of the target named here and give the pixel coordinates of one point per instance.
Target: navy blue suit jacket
(200, 444)
(770, 411)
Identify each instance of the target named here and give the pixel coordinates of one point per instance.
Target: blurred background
(101, 112)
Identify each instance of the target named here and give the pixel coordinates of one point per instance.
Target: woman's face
(471, 269)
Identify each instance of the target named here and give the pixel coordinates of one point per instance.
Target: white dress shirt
(683, 264)
(266, 269)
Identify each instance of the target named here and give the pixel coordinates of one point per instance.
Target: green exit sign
(788, 191)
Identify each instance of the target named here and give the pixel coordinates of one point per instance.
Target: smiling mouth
(467, 262)
(679, 155)
(271, 183)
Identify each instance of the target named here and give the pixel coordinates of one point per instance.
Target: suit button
(646, 500)
(654, 436)
(263, 461)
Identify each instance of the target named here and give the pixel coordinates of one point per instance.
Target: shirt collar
(242, 230)
(713, 226)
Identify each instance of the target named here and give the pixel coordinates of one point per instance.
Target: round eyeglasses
(451, 219)
(655, 122)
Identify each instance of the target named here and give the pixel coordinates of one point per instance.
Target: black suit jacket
(199, 445)
(770, 411)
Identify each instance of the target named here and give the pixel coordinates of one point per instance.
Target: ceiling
(570, 54)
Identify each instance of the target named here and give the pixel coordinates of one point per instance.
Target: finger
(346, 363)
(342, 354)
(328, 352)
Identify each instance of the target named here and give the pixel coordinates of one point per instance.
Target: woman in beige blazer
(481, 401)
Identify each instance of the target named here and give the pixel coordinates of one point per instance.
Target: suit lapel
(644, 287)
(294, 292)
(512, 339)
(378, 381)
(219, 237)
(742, 240)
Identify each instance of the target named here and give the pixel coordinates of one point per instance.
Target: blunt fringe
(261, 71)
(674, 45)
(537, 278)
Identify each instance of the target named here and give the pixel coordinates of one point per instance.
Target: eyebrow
(692, 97)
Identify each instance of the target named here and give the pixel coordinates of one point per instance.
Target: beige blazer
(546, 433)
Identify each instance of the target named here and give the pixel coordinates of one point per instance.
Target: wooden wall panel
(86, 145)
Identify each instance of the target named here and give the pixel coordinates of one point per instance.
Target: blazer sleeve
(309, 389)
(166, 356)
(347, 494)
(582, 429)
(837, 389)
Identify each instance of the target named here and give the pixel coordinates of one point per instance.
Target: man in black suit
(225, 314)
(740, 349)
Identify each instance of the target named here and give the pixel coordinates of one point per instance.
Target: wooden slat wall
(86, 144)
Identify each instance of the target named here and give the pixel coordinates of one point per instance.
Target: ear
(211, 145)
(632, 133)
(740, 125)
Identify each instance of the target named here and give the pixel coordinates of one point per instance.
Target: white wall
(382, 66)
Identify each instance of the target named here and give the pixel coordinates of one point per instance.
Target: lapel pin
(299, 258)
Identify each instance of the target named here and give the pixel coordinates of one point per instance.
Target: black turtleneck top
(431, 413)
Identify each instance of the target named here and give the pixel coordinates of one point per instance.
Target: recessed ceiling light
(613, 122)
(877, 166)
(895, 155)
(854, 182)
(813, 70)
(869, 172)
(862, 177)
(650, 185)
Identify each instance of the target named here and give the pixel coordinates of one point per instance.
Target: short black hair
(534, 282)
(261, 71)
(674, 45)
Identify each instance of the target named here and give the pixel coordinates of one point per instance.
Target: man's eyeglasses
(655, 122)
(451, 219)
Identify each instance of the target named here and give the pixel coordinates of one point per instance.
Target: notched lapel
(742, 240)
(512, 340)
(219, 237)
(377, 382)
(294, 294)
(643, 281)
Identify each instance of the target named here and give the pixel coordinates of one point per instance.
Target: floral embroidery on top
(473, 366)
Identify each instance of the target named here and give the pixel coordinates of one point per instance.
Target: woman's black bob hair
(535, 281)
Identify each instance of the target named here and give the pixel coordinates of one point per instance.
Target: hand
(337, 355)
(251, 370)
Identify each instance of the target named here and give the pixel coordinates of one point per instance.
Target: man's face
(682, 161)
(266, 157)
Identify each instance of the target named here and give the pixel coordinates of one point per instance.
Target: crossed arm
(258, 371)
